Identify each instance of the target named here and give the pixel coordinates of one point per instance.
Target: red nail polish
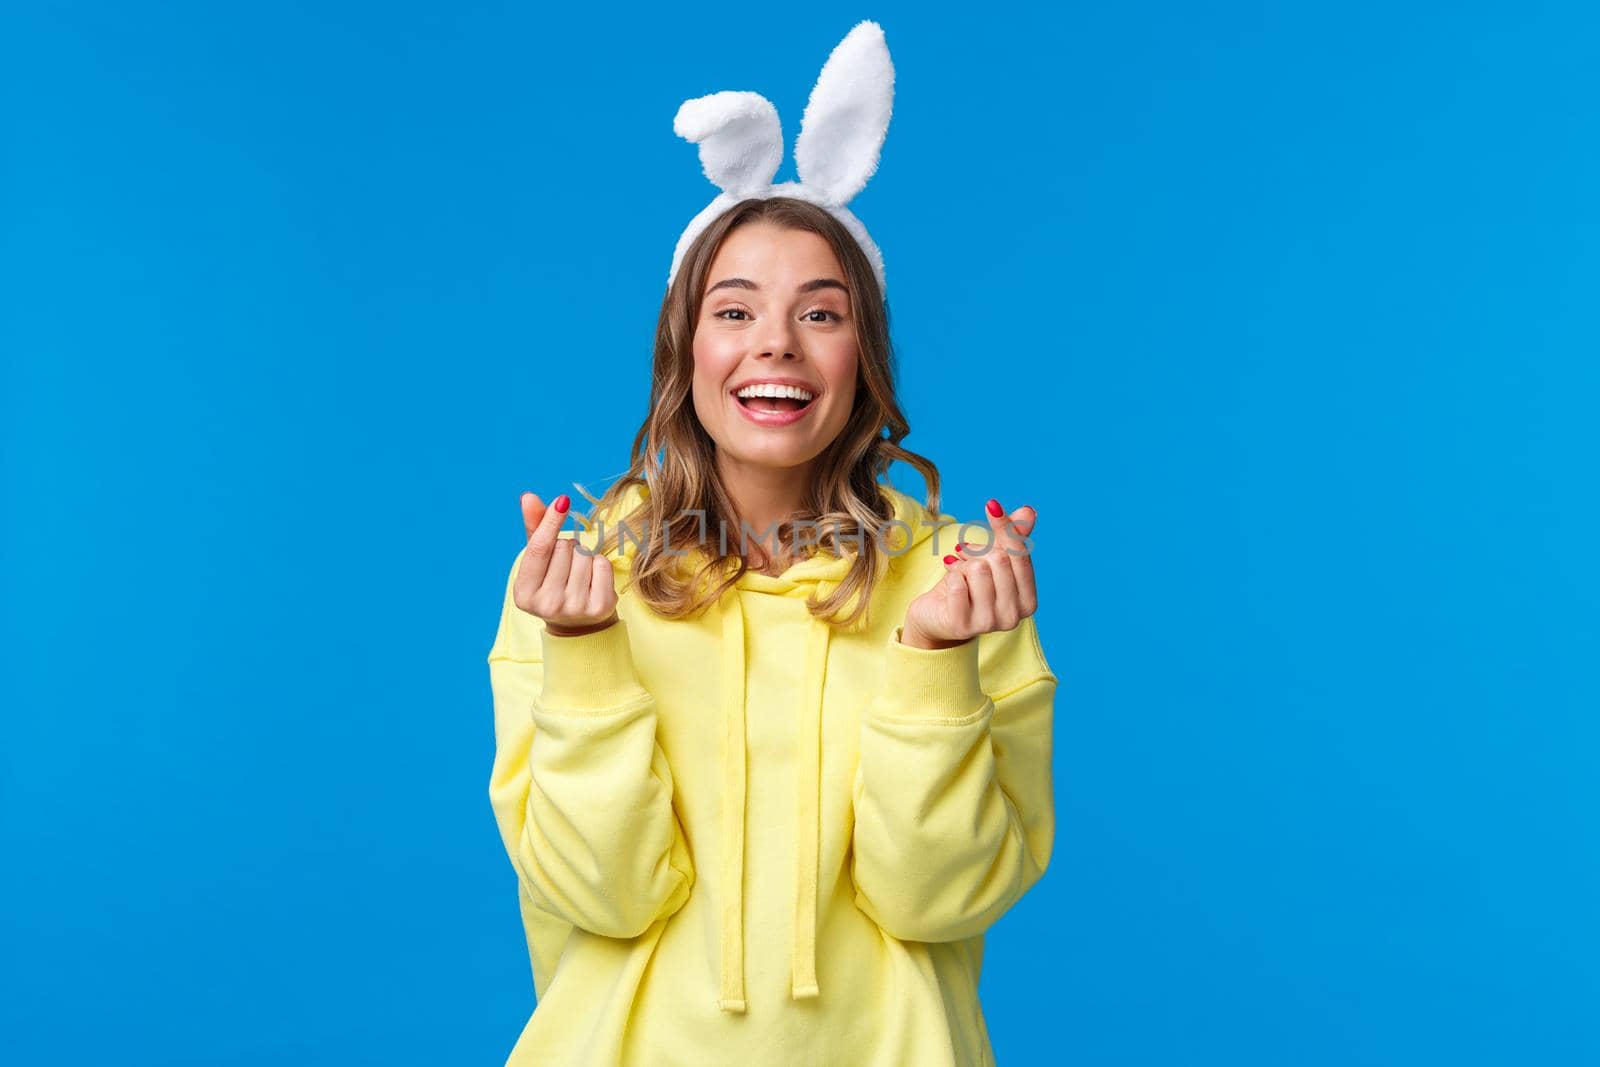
(949, 559)
(562, 503)
(994, 508)
(960, 546)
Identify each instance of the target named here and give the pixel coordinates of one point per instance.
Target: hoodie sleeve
(954, 810)
(580, 788)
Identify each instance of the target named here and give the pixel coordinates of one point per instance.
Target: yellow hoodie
(750, 838)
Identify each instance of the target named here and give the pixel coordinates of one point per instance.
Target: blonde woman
(773, 739)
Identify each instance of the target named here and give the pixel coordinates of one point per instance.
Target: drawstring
(808, 775)
(808, 784)
(731, 997)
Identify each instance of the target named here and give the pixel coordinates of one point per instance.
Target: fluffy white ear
(741, 142)
(847, 116)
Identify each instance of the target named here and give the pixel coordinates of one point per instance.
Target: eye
(725, 311)
(832, 315)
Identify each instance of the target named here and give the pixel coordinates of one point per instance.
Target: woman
(765, 794)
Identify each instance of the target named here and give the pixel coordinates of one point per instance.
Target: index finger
(533, 510)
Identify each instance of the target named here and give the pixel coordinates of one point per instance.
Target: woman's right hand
(573, 592)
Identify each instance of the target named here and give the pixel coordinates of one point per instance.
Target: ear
(847, 117)
(741, 142)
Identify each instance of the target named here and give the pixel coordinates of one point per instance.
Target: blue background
(1284, 318)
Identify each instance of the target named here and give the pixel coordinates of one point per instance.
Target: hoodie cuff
(931, 684)
(590, 673)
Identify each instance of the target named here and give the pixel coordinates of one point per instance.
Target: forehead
(774, 256)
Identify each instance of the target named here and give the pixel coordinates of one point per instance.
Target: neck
(764, 498)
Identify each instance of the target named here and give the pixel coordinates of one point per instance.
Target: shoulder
(1011, 659)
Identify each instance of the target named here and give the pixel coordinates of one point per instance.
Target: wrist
(910, 636)
(555, 630)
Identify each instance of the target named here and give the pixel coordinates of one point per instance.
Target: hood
(815, 576)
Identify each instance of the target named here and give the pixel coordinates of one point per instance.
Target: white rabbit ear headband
(841, 136)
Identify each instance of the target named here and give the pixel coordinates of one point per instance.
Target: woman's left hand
(985, 588)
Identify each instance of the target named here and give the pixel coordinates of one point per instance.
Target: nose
(778, 341)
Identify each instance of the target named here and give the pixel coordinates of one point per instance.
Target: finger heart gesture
(985, 588)
(573, 592)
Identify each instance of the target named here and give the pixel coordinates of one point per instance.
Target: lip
(772, 418)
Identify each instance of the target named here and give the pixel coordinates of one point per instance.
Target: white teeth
(793, 392)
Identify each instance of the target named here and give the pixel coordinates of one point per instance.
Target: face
(776, 313)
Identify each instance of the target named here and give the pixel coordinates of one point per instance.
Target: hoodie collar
(817, 575)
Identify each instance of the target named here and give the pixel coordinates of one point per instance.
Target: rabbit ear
(847, 116)
(741, 142)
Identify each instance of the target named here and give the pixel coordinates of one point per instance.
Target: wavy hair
(673, 457)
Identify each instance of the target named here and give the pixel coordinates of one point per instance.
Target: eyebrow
(813, 284)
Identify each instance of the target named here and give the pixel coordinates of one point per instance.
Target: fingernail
(961, 546)
(994, 508)
(563, 502)
(949, 559)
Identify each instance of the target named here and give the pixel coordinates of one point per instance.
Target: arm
(955, 817)
(581, 791)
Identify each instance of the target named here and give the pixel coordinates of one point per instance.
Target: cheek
(841, 373)
(714, 356)
(713, 363)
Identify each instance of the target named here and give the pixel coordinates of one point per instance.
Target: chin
(774, 455)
